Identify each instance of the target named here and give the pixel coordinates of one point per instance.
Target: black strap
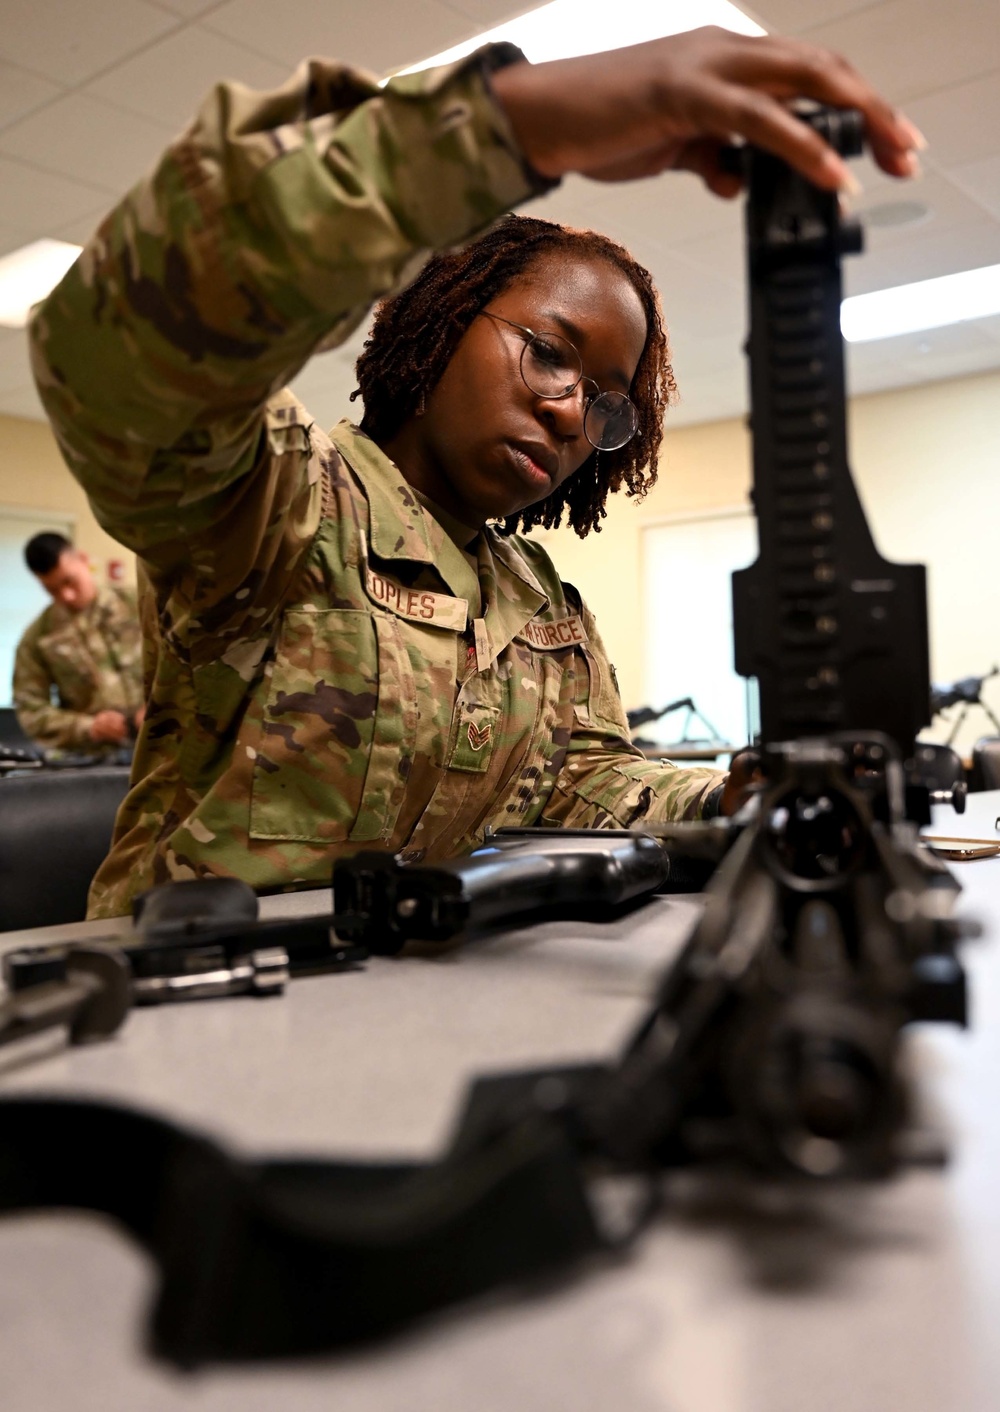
(270, 1259)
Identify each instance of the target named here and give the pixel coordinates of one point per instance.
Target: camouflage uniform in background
(93, 660)
(329, 670)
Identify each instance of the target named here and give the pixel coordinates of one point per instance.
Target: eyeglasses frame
(532, 334)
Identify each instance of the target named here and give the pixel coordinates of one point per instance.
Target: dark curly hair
(416, 331)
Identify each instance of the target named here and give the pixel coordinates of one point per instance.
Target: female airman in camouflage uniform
(345, 653)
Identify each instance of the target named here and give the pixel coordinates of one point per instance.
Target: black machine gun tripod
(966, 692)
(775, 1037)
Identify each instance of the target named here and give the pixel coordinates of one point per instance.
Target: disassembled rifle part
(86, 988)
(193, 941)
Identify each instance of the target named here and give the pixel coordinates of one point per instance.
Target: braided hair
(416, 331)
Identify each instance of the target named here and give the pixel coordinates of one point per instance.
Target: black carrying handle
(275, 1259)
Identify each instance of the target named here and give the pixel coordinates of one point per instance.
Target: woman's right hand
(675, 102)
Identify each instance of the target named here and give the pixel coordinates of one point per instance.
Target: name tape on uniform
(549, 637)
(417, 604)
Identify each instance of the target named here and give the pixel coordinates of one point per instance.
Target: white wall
(927, 464)
(926, 460)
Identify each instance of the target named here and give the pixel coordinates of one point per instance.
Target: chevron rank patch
(477, 726)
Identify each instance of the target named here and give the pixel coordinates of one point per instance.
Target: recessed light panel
(28, 274)
(930, 303)
(565, 29)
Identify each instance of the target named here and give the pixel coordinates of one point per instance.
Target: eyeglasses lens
(611, 421)
(551, 366)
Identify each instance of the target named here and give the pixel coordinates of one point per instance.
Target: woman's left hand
(744, 772)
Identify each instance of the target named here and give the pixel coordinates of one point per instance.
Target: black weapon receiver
(835, 634)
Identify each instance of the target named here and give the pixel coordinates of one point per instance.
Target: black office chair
(10, 728)
(940, 766)
(985, 773)
(55, 829)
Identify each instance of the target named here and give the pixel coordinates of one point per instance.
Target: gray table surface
(745, 1299)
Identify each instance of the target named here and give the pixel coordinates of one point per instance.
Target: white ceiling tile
(933, 367)
(721, 259)
(12, 237)
(869, 368)
(970, 347)
(20, 92)
(41, 200)
(699, 307)
(82, 227)
(486, 14)
(83, 137)
(169, 80)
(575, 202)
(693, 356)
(961, 122)
(982, 181)
(947, 208)
(966, 337)
(157, 58)
(674, 207)
(876, 185)
(964, 247)
(910, 47)
(186, 9)
(358, 34)
(70, 40)
(862, 358)
(794, 16)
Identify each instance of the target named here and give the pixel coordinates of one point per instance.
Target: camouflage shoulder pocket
(599, 703)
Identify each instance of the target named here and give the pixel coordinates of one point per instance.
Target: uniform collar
(402, 529)
(399, 526)
(61, 617)
(512, 594)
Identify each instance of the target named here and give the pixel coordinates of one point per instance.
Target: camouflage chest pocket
(72, 667)
(338, 730)
(126, 650)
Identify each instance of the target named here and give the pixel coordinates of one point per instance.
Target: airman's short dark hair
(43, 551)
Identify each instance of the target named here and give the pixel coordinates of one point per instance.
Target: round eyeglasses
(551, 366)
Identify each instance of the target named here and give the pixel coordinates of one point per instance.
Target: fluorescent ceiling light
(930, 303)
(27, 275)
(565, 29)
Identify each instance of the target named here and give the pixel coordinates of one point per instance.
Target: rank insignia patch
(475, 737)
(479, 735)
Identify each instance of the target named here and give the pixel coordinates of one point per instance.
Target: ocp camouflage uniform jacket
(322, 677)
(93, 661)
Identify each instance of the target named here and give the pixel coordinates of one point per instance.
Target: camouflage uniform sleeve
(51, 726)
(265, 233)
(604, 781)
